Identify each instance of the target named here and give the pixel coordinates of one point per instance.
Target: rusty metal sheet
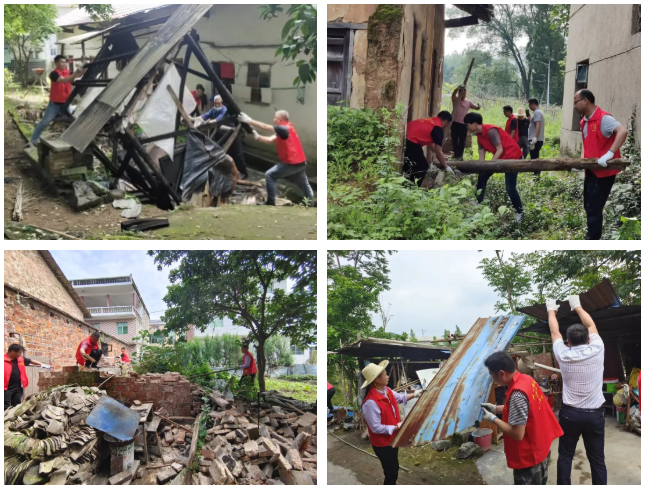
(375, 348)
(452, 401)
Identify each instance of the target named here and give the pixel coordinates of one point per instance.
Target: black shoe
(244, 176)
(266, 203)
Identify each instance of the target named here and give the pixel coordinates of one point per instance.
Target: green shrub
(298, 377)
(8, 78)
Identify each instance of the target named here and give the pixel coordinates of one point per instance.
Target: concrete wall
(110, 327)
(26, 270)
(170, 390)
(615, 66)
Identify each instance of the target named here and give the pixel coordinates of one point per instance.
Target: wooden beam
(466, 79)
(191, 453)
(180, 108)
(472, 20)
(347, 25)
(553, 164)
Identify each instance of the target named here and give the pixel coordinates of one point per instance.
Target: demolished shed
(135, 124)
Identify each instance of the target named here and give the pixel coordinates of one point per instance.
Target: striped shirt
(582, 372)
(518, 408)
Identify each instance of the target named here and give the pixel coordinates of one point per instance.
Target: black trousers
(330, 394)
(12, 396)
(458, 138)
(595, 195)
(389, 462)
(416, 166)
(591, 425)
(96, 355)
(535, 153)
(510, 185)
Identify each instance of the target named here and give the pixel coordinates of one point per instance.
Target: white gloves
(551, 305)
(198, 121)
(603, 161)
(488, 416)
(243, 118)
(489, 407)
(398, 425)
(255, 134)
(418, 393)
(449, 170)
(533, 141)
(45, 366)
(574, 301)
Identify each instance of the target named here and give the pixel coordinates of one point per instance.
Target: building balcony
(114, 312)
(103, 285)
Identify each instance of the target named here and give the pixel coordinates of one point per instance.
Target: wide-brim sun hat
(372, 372)
(521, 112)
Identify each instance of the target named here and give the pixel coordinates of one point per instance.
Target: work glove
(198, 121)
(398, 425)
(243, 118)
(551, 305)
(255, 134)
(533, 141)
(603, 161)
(461, 86)
(574, 301)
(490, 407)
(449, 170)
(418, 393)
(488, 416)
(45, 366)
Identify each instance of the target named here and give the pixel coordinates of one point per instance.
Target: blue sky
(435, 290)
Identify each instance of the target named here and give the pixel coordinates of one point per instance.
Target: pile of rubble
(46, 439)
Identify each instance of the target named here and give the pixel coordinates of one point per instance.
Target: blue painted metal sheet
(114, 418)
(452, 401)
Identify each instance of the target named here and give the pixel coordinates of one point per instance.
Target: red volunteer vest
(290, 150)
(59, 92)
(419, 130)
(125, 357)
(508, 128)
(385, 405)
(596, 144)
(541, 429)
(329, 385)
(252, 368)
(79, 358)
(8, 367)
(511, 150)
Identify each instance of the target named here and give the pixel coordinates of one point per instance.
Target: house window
(122, 328)
(156, 339)
(97, 326)
(581, 81)
(637, 19)
(339, 65)
(258, 77)
(297, 350)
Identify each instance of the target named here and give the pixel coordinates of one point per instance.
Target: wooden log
(220, 402)
(191, 454)
(17, 209)
(466, 79)
(169, 421)
(554, 164)
(187, 119)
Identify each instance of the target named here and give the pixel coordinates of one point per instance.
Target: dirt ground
(427, 466)
(42, 208)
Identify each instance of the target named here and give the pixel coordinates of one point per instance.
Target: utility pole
(548, 64)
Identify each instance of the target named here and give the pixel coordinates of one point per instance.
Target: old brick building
(43, 313)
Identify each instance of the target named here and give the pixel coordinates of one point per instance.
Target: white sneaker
(519, 216)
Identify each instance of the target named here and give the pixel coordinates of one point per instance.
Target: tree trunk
(261, 363)
(557, 164)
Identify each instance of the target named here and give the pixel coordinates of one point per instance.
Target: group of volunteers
(526, 419)
(523, 135)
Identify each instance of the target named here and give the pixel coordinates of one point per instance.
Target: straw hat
(521, 112)
(372, 372)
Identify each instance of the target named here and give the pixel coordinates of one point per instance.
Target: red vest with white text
(508, 129)
(541, 428)
(596, 145)
(385, 405)
(419, 130)
(59, 92)
(290, 150)
(8, 367)
(511, 151)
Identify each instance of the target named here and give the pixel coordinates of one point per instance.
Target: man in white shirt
(581, 363)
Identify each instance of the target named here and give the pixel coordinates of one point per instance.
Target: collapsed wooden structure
(113, 111)
(559, 164)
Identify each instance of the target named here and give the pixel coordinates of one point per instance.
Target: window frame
(121, 325)
(346, 35)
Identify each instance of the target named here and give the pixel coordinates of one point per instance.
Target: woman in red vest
(602, 137)
(58, 93)
(15, 376)
(290, 153)
(248, 364)
(494, 140)
(528, 423)
(381, 412)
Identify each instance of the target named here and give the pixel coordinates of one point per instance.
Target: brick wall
(170, 390)
(45, 332)
(26, 270)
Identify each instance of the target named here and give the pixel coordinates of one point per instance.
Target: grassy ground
(295, 389)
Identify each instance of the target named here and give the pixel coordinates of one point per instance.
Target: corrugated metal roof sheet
(371, 348)
(121, 10)
(452, 401)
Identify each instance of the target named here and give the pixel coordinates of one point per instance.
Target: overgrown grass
(294, 389)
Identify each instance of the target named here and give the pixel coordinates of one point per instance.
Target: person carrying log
(428, 131)
(381, 412)
(494, 140)
(461, 106)
(602, 137)
(522, 118)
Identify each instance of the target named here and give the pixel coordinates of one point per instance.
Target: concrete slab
(338, 475)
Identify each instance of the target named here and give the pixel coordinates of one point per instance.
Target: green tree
(99, 12)
(237, 284)
(509, 278)
(299, 38)
(278, 352)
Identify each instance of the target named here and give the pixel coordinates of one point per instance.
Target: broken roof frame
(134, 163)
(451, 402)
(374, 348)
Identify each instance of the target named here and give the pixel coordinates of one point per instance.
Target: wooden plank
(180, 107)
(81, 132)
(461, 22)
(154, 425)
(466, 78)
(554, 164)
(191, 454)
